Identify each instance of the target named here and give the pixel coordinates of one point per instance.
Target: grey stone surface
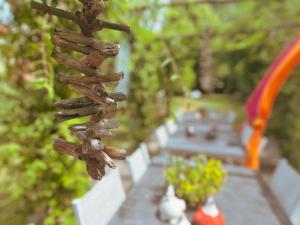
(146, 154)
(286, 185)
(138, 164)
(161, 136)
(125, 174)
(242, 200)
(221, 146)
(100, 204)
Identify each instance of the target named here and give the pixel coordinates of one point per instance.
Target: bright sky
(5, 15)
(160, 19)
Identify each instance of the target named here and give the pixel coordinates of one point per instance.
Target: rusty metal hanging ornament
(96, 102)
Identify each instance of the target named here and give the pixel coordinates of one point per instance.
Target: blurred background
(220, 49)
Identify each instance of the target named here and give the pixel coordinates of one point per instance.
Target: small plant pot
(195, 179)
(208, 214)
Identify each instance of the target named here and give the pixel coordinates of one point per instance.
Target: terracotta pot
(208, 214)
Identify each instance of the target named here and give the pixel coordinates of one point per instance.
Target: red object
(252, 103)
(201, 218)
(260, 104)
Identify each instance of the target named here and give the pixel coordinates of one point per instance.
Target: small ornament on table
(209, 214)
(171, 208)
(212, 134)
(190, 131)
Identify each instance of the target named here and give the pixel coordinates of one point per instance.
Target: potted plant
(196, 181)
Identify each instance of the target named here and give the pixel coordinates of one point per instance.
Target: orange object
(280, 70)
(201, 218)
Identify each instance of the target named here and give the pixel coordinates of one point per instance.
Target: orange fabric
(200, 218)
(277, 80)
(279, 76)
(252, 150)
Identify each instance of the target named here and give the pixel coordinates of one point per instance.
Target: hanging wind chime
(90, 82)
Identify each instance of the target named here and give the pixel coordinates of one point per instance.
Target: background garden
(169, 51)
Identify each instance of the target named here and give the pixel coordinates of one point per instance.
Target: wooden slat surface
(243, 201)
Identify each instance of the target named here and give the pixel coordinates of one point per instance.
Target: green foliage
(195, 179)
(246, 39)
(37, 183)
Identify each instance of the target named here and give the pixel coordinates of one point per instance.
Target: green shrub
(195, 179)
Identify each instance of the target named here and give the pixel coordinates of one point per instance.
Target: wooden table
(245, 200)
(226, 146)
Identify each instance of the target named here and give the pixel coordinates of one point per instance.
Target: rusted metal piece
(89, 82)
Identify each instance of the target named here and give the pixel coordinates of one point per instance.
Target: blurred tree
(206, 64)
(246, 38)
